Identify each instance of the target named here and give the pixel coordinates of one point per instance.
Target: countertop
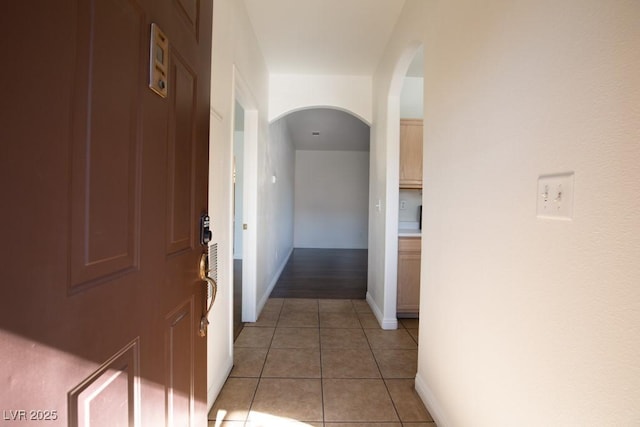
(409, 232)
(409, 229)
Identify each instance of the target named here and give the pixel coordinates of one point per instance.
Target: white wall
(331, 199)
(238, 150)
(409, 216)
(291, 92)
(412, 98)
(525, 321)
(385, 161)
(275, 207)
(234, 43)
(238, 153)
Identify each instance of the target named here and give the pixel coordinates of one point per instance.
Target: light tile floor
(322, 363)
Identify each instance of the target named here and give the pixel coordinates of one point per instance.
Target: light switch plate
(555, 196)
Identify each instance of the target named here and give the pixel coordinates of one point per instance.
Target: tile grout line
(319, 329)
(321, 370)
(375, 359)
(264, 364)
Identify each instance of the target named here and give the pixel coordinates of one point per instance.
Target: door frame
(393, 183)
(242, 95)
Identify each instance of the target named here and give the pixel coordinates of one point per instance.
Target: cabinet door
(408, 275)
(410, 153)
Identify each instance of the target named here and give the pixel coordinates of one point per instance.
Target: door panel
(181, 157)
(103, 184)
(189, 10)
(179, 387)
(113, 389)
(107, 140)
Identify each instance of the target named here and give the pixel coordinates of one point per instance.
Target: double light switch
(555, 196)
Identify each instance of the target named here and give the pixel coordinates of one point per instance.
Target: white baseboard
(387, 324)
(272, 285)
(218, 383)
(431, 403)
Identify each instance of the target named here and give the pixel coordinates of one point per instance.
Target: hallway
(319, 362)
(324, 273)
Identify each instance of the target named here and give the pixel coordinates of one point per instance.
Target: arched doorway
(403, 102)
(329, 197)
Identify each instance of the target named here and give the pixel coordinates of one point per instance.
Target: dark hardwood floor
(237, 298)
(324, 273)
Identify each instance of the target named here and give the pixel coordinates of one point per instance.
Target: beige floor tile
(339, 320)
(296, 338)
(293, 399)
(335, 306)
(248, 362)
(368, 321)
(394, 339)
(414, 334)
(271, 421)
(361, 306)
(357, 400)
(226, 424)
(408, 404)
(397, 363)
(273, 304)
(255, 337)
(343, 338)
(349, 363)
(266, 319)
(316, 343)
(409, 323)
(234, 400)
(300, 304)
(298, 319)
(362, 425)
(419, 425)
(292, 363)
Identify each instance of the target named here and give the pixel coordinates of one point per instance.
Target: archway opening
(329, 149)
(403, 214)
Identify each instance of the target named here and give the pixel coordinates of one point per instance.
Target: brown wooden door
(103, 183)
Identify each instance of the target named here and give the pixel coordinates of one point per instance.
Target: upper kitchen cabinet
(410, 153)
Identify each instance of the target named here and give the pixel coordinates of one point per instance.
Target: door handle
(211, 292)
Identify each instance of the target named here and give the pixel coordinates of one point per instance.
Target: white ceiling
(339, 37)
(339, 131)
(324, 37)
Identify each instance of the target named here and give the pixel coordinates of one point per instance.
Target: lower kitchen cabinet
(408, 302)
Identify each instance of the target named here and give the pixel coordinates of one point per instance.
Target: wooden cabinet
(408, 298)
(408, 275)
(410, 153)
